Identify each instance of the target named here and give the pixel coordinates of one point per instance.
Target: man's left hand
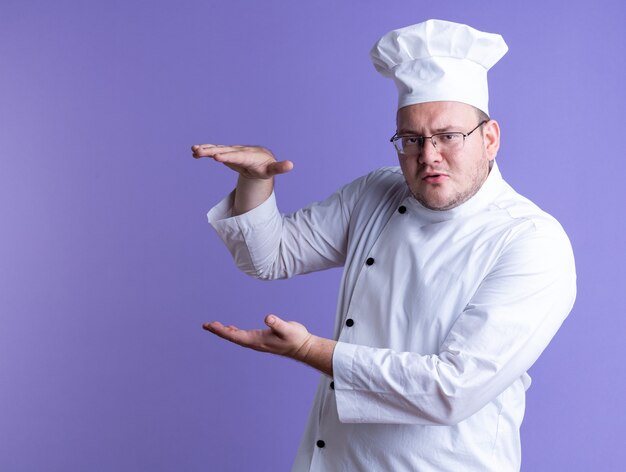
(285, 338)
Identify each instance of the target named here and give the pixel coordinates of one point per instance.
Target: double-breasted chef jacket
(440, 315)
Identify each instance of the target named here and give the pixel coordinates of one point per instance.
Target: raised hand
(256, 167)
(251, 162)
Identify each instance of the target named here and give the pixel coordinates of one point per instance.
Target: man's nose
(428, 153)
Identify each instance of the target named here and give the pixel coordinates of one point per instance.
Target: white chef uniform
(440, 315)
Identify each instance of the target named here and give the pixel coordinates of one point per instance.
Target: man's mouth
(434, 177)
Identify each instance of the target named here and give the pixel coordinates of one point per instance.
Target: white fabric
(439, 61)
(456, 307)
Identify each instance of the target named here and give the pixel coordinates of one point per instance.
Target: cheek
(405, 165)
(478, 170)
(476, 163)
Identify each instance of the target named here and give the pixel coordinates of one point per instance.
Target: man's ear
(491, 138)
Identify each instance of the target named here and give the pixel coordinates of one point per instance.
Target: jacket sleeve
(268, 245)
(509, 321)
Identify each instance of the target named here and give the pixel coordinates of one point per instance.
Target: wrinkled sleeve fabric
(509, 321)
(268, 245)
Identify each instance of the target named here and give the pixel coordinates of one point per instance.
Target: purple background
(108, 267)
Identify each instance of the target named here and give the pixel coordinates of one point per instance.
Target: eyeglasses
(448, 142)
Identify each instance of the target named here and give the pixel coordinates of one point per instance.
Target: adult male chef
(453, 283)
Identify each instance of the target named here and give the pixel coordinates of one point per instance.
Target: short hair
(482, 116)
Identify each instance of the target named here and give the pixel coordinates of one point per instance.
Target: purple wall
(108, 267)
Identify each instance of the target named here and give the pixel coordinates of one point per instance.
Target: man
(453, 283)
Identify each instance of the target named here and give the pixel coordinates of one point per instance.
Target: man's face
(441, 181)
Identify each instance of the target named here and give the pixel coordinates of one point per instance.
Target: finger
(213, 326)
(230, 333)
(200, 147)
(218, 328)
(281, 167)
(244, 158)
(277, 325)
(208, 150)
(226, 154)
(203, 148)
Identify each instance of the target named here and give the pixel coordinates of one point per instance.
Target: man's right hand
(256, 167)
(251, 162)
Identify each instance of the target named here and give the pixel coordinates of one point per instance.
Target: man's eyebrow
(444, 129)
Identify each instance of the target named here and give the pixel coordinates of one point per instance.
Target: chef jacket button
(369, 261)
(320, 443)
(402, 210)
(332, 385)
(349, 322)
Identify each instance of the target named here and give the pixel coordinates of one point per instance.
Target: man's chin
(439, 200)
(438, 207)
(435, 203)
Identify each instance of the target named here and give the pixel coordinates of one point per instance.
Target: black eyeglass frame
(422, 139)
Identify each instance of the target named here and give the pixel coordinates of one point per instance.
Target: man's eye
(411, 141)
(450, 137)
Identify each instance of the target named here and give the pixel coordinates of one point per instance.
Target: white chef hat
(439, 61)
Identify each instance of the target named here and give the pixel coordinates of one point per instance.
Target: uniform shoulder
(386, 172)
(381, 178)
(385, 179)
(523, 210)
(378, 185)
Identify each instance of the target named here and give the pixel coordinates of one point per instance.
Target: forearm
(318, 353)
(250, 193)
(409, 388)
(268, 245)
